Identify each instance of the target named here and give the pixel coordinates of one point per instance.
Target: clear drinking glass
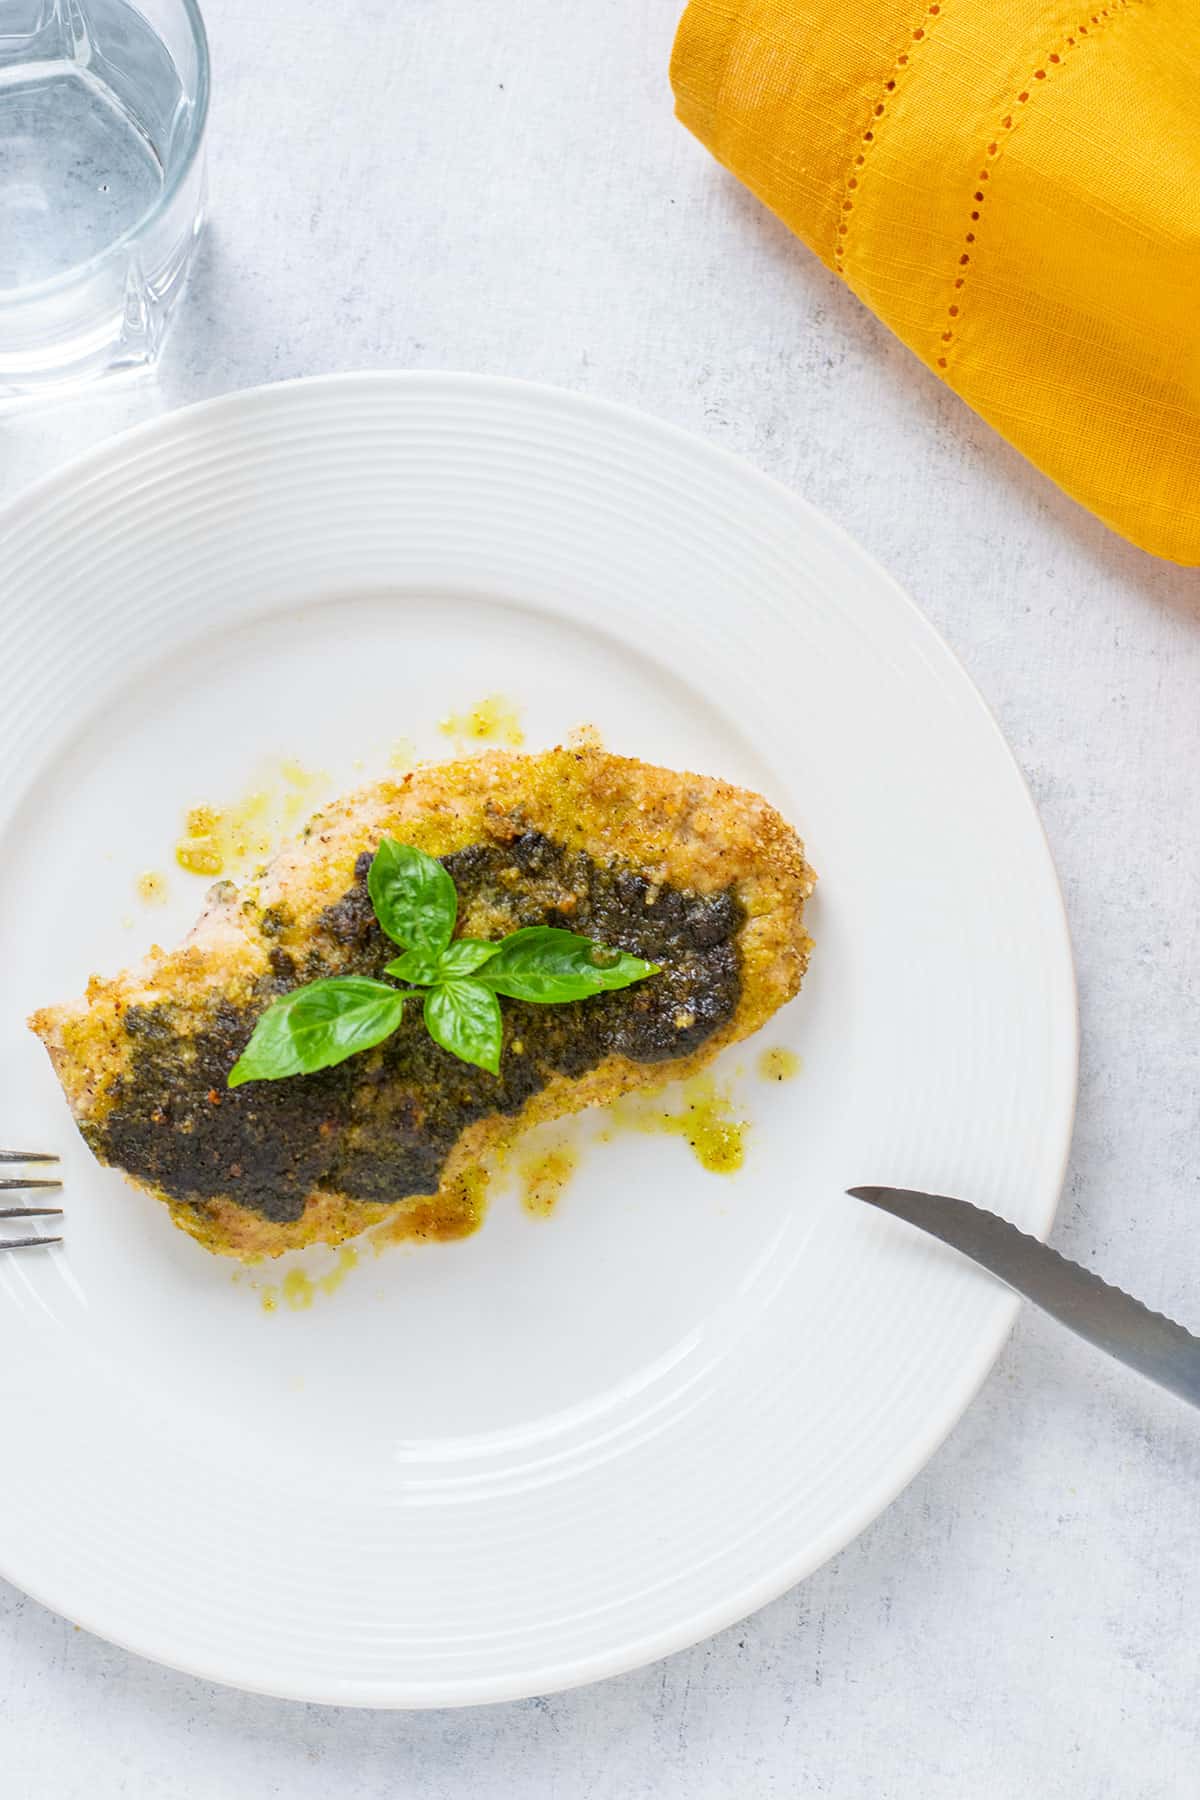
(102, 110)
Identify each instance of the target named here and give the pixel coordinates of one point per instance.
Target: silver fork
(21, 1184)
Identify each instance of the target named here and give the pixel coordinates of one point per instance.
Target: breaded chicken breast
(700, 877)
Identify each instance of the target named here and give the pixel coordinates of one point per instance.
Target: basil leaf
(413, 897)
(464, 1018)
(545, 964)
(418, 966)
(316, 1026)
(464, 956)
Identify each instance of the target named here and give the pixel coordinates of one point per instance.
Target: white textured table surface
(484, 186)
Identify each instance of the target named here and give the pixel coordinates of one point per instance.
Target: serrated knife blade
(1105, 1315)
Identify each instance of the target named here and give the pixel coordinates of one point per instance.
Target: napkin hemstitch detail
(994, 150)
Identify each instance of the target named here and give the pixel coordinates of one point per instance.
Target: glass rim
(33, 290)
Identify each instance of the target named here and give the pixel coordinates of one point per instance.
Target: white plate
(560, 1448)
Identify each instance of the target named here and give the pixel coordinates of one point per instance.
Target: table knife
(1105, 1315)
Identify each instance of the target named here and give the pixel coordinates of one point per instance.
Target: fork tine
(22, 1184)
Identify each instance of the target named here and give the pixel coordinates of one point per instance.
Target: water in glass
(101, 114)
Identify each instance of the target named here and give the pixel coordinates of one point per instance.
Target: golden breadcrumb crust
(688, 831)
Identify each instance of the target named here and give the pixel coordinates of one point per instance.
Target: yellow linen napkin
(1013, 186)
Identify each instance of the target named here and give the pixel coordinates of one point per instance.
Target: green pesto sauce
(380, 1127)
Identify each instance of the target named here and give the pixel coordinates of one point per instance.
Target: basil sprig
(459, 980)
